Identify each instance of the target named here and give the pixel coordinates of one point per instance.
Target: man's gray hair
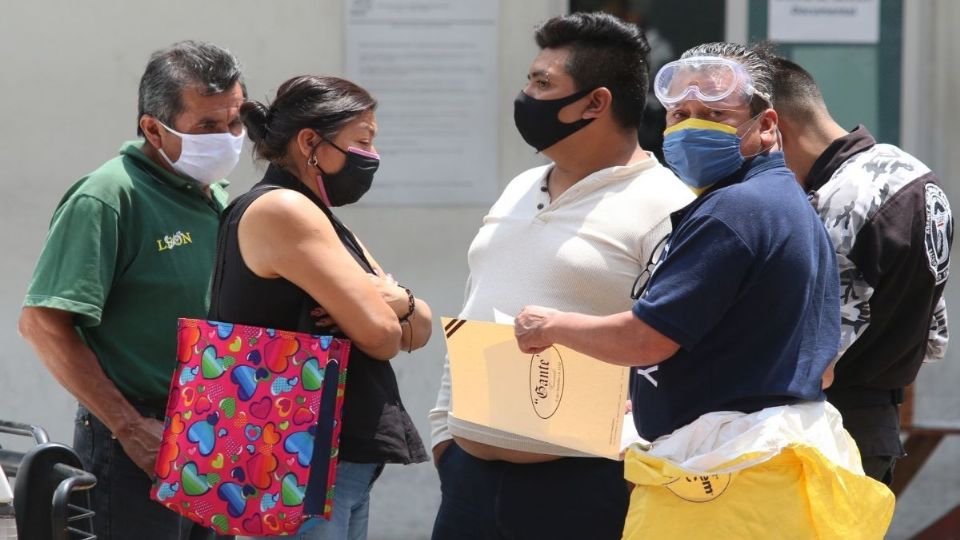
(756, 60)
(205, 66)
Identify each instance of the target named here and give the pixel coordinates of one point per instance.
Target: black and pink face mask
(350, 183)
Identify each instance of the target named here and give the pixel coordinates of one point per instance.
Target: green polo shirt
(131, 248)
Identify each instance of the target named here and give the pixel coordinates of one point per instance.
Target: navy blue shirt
(748, 288)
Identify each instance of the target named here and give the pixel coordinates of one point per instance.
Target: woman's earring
(312, 162)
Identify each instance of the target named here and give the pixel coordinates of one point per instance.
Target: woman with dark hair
(289, 263)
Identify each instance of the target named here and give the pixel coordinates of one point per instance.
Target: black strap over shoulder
(239, 205)
(275, 178)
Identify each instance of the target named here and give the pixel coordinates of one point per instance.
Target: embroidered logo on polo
(170, 241)
(938, 232)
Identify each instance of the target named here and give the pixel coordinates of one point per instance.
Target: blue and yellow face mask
(702, 152)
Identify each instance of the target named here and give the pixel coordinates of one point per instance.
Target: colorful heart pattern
(247, 378)
(268, 501)
(169, 449)
(188, 374)
(228, 406)
(202, 432)
(233, 495)
(240, 426)
(187, 337)
(300, 444)
(278, 352)
(196, 483)
(303, 416)
(259, 469)
(167, 490)
(261, 408)
(213, 366)
(312, 374)
(270, 434)
(292, 493)
(283, 385)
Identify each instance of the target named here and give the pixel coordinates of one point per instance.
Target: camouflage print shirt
(891, 225)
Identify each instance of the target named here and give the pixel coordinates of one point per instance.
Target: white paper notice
(432, 66)
(824, 21)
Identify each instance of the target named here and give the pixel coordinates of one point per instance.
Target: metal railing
(10, 459)
(63, 513)
(71, 516)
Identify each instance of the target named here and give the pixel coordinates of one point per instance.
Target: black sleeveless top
(376, 428)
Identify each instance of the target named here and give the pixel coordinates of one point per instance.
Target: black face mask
(537, 121)
(347, 185)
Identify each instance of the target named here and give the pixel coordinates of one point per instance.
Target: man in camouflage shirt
(891, 226)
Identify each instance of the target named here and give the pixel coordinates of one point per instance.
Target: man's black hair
(604, 51)
(794, 90)
(208, 67)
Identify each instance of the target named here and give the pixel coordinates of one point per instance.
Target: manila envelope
(559, 396)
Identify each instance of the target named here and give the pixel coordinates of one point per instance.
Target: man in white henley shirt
(572, 235)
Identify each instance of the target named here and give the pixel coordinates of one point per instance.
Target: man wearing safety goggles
(716, 118)
(731, 334)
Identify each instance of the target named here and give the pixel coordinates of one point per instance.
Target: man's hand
(530, 328)
(438, 451)
(52, 334)
(141, 441)
(827, 378)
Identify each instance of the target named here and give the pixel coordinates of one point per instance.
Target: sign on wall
(824, 21)
(432, 66)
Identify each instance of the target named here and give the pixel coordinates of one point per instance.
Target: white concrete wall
(68, 88)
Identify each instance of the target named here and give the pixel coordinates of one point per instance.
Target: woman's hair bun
(254, 116)
(322, 104)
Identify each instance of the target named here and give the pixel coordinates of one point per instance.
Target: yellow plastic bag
(785, 472)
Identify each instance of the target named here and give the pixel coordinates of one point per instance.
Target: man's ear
(768, 128)
(150, 127)
(600, 102)
(786, 129)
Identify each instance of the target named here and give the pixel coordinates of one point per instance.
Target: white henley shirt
(580, 252)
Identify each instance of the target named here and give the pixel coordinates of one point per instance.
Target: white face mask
(206, 158)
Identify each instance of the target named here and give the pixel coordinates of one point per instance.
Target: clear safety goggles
(719, 83)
